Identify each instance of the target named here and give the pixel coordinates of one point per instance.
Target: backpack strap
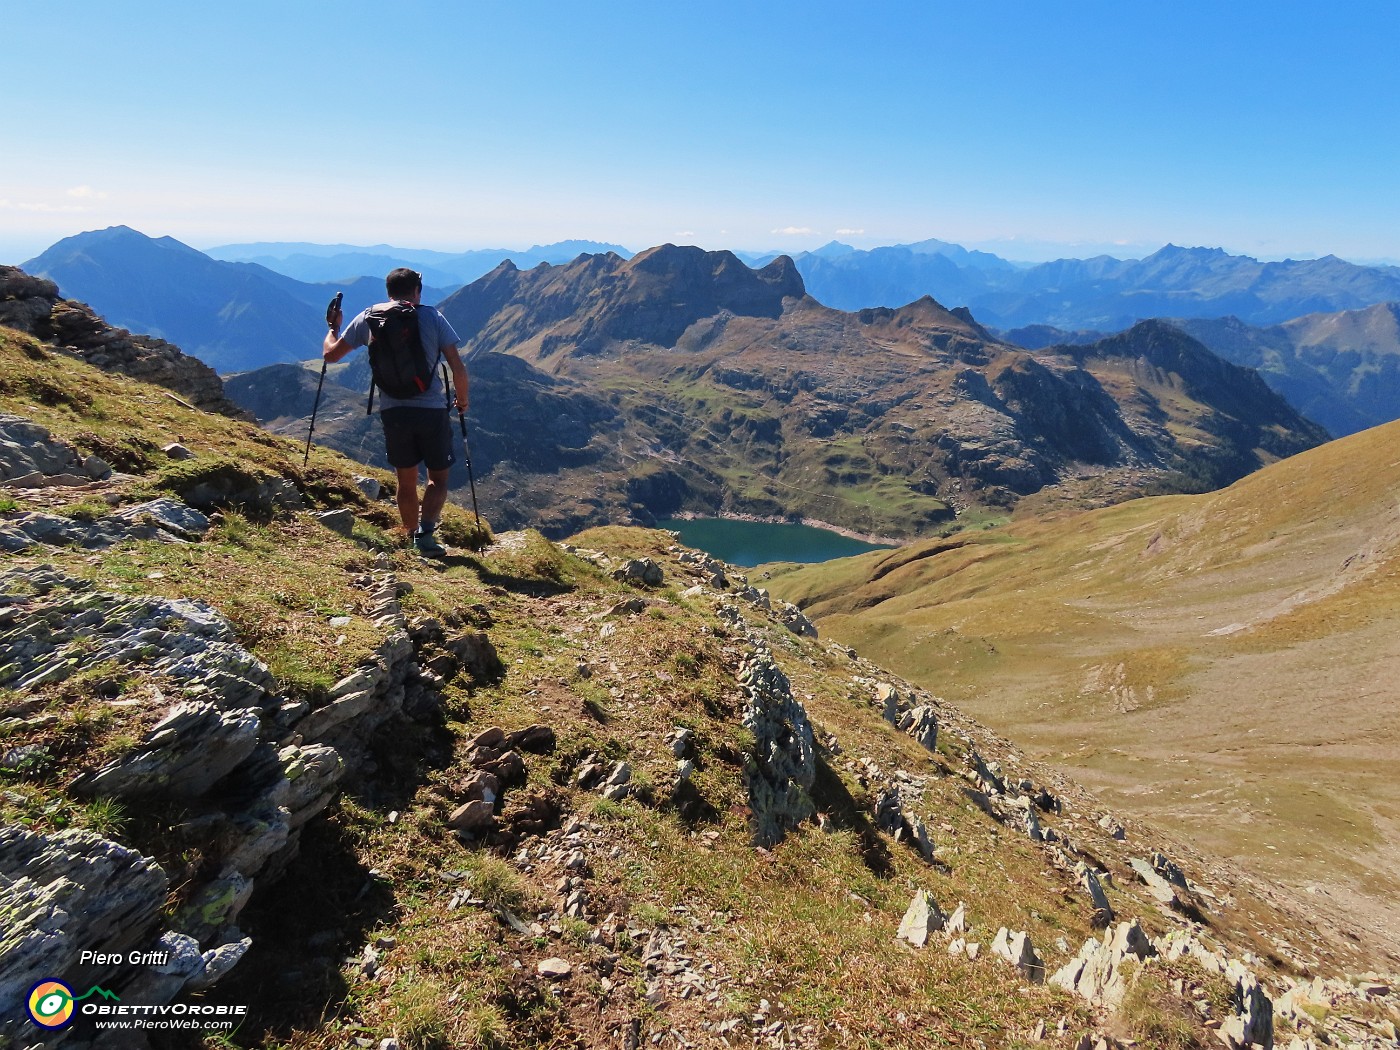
(446, 393)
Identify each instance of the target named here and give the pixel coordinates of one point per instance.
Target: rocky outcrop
(31, 458)
(66, 893)
(601, 300)
(1097, 972)
(783, 765)
(252, 767)
(921, 919)
(32, 304)
(1016, 948)
(164, 520)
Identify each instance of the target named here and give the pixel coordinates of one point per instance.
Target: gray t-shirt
(436, 334)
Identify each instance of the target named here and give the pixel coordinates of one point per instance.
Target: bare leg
(435, 495)
(408, 497)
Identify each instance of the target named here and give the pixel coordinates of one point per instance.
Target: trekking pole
(466, 450)
(332, 309)
(315, 408)
(467, 455)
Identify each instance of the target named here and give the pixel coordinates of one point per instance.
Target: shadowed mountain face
(1342, 369)
(226, 314)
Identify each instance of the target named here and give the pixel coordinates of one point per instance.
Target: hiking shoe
(426, 544)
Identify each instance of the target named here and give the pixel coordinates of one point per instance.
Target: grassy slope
(807, 926)
(1225, 664)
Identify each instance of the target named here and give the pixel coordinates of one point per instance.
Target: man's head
(403, 283)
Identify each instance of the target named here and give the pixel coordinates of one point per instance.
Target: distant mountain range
(1339, 366)
(1100, 293)
(610, 389)
(319, 263)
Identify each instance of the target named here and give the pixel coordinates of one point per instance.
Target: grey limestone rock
(220, 960)
(169, 515)
(1253, 1022)
(161, 982)
(64, 893)
(215, 907)
(1096, 973)
(183, 756)
(889, 811)
(1159, 887)
(921, 918)
(165, 520)
(783, 767)
(1089, 879)
(1016, 949)
(313, 773)
(341, 520)
(640, 570)
(922, 724)
(991, 781)
(795, 620)
(887, 696)
(26, 448)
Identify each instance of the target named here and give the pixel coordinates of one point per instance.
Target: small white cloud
(794, 231)
(849, 233)
(686, 233)
(88, 193)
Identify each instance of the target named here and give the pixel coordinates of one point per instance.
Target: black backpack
(396, 357)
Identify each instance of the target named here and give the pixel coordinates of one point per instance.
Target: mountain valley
(745, 396)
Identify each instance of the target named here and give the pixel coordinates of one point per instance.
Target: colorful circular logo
(51, 1004)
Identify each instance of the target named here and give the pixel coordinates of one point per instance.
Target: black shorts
(417, 435)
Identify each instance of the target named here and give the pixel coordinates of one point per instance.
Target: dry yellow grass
(1225, 664)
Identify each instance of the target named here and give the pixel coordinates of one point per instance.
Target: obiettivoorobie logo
(51, 1002)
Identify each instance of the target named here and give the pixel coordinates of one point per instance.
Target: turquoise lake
(748, 543)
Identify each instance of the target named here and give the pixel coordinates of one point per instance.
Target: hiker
(416, 424)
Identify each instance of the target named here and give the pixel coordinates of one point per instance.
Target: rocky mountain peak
(600, 301)
(738, 287)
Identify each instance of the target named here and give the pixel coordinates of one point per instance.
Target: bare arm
(459, 374)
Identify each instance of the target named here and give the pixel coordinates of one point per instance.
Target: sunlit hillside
(1225, 664)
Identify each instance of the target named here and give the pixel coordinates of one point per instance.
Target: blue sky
(1033, 128)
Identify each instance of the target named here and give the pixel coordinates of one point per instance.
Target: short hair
(403, 282)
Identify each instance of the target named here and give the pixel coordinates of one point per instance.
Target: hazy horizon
(1010, 250)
